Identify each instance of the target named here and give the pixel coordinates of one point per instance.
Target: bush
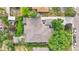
(25, 11)
(19, 27)
(5, 20)
(60, 41)
(70, 11)
(56, 11)
(9, 45)
(57, 24)
(33, 14)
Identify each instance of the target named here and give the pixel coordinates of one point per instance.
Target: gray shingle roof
(36, 31)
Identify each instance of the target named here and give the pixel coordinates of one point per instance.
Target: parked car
(74, 30)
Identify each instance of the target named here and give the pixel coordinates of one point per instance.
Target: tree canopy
(60, 39)
(56, 11)
(27, 12)
(19, 27)
(70, 11)
(57, 24)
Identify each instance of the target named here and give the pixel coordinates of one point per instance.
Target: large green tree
(57, 24)
(60, 39)
(70, 11)
(25, 11)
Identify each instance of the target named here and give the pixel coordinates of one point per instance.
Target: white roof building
(12, 18)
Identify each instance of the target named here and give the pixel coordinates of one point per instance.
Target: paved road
(76, 24)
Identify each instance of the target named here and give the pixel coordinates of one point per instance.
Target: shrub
(19, 27)
(70, 11)
(25, 11)
(33, 14)
(57, 24)
(5, 20)
(56, 11)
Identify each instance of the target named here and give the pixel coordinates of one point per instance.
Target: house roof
(41, 9)
(36, 32)
(11, 18)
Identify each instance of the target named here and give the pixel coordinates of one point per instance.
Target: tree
(25, 11)
(60, 41)
(2, 12)
(60, 38)
(5, 21)
(33, 13)
(56, 11)
(57, 24)
(70, 11)
(8, 45)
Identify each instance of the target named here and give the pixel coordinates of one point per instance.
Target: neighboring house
(41, 9)
(11, 20)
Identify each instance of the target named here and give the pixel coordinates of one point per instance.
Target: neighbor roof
(41, 9)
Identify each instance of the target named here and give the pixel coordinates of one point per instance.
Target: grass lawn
(20, 48)
(30, 46)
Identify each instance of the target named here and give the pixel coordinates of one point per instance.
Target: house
(41, 9)
(36, 32)
(11, 20)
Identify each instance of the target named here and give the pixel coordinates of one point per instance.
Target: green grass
(31, 45)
